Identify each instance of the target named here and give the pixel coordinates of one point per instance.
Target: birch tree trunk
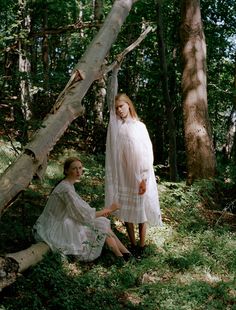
(230, 146)
(198, 140)
(14, 263)
(99, 89)
(24, 69)
(67, 108)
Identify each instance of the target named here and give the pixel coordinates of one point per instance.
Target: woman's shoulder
(139, 125)
(63, 186)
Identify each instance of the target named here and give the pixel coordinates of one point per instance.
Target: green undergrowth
(189, 263)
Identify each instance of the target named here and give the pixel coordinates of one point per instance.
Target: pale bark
(15, 263)
(231, 134)
(24, 63)
(100, 84)
(198, 140)
(66, 109)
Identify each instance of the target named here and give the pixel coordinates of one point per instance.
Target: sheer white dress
(69, 225)
(129, 159)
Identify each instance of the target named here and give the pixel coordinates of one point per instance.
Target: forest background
(40, 44)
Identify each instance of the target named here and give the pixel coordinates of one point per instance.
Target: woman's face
(122, 109)
(75, 171)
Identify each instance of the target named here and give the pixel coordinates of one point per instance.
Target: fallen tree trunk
(67, 108)
(14, 263)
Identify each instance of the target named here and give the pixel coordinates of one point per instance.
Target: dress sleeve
(77, 208)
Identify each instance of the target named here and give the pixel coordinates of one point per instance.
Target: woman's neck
(69, 180)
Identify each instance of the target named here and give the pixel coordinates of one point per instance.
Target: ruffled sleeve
(76, 207)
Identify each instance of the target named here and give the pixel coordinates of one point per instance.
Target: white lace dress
(69, 225)
(128, 161)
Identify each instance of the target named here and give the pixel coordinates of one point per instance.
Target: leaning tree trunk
(198, 140)
(67, 107)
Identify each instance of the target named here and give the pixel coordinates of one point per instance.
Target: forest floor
(189, 262)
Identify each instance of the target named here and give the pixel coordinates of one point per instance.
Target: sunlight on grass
(159, 235)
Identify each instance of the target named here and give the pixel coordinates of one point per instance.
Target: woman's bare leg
(120, 245)
(112, 244)
(130, 231)
(142, 233)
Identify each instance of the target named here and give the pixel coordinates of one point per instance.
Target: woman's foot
(137, 251)
(132, 248)
(127, 256)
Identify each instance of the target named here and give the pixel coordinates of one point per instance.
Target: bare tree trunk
(230, 146)
(166, 93)
(25, 70)
(99, 88)
(14, 263)
(67, 107)
(45, 50)
(198, 140)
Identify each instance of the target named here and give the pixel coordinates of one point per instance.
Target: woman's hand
(107, 211)
(115, 206)
(142, 187)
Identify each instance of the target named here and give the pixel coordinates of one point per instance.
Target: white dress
(69, 225)
(132, 162)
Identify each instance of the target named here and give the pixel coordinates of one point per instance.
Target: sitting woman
(70, 226)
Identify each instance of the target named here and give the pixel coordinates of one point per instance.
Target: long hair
(124, 97)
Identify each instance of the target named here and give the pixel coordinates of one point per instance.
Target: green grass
(190, 262)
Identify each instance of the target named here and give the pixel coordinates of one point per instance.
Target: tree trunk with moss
(198, 138)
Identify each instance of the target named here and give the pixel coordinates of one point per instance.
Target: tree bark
(67, 107)
(168, 104)
(99, 89)
(198, 140)
(24, 70)
(14, 263)
(45, 49)
(230, 146)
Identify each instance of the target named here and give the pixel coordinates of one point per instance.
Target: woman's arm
(107, 211)
(142, 187)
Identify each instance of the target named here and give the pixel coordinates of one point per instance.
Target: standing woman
(130, 179)
(70, 226)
